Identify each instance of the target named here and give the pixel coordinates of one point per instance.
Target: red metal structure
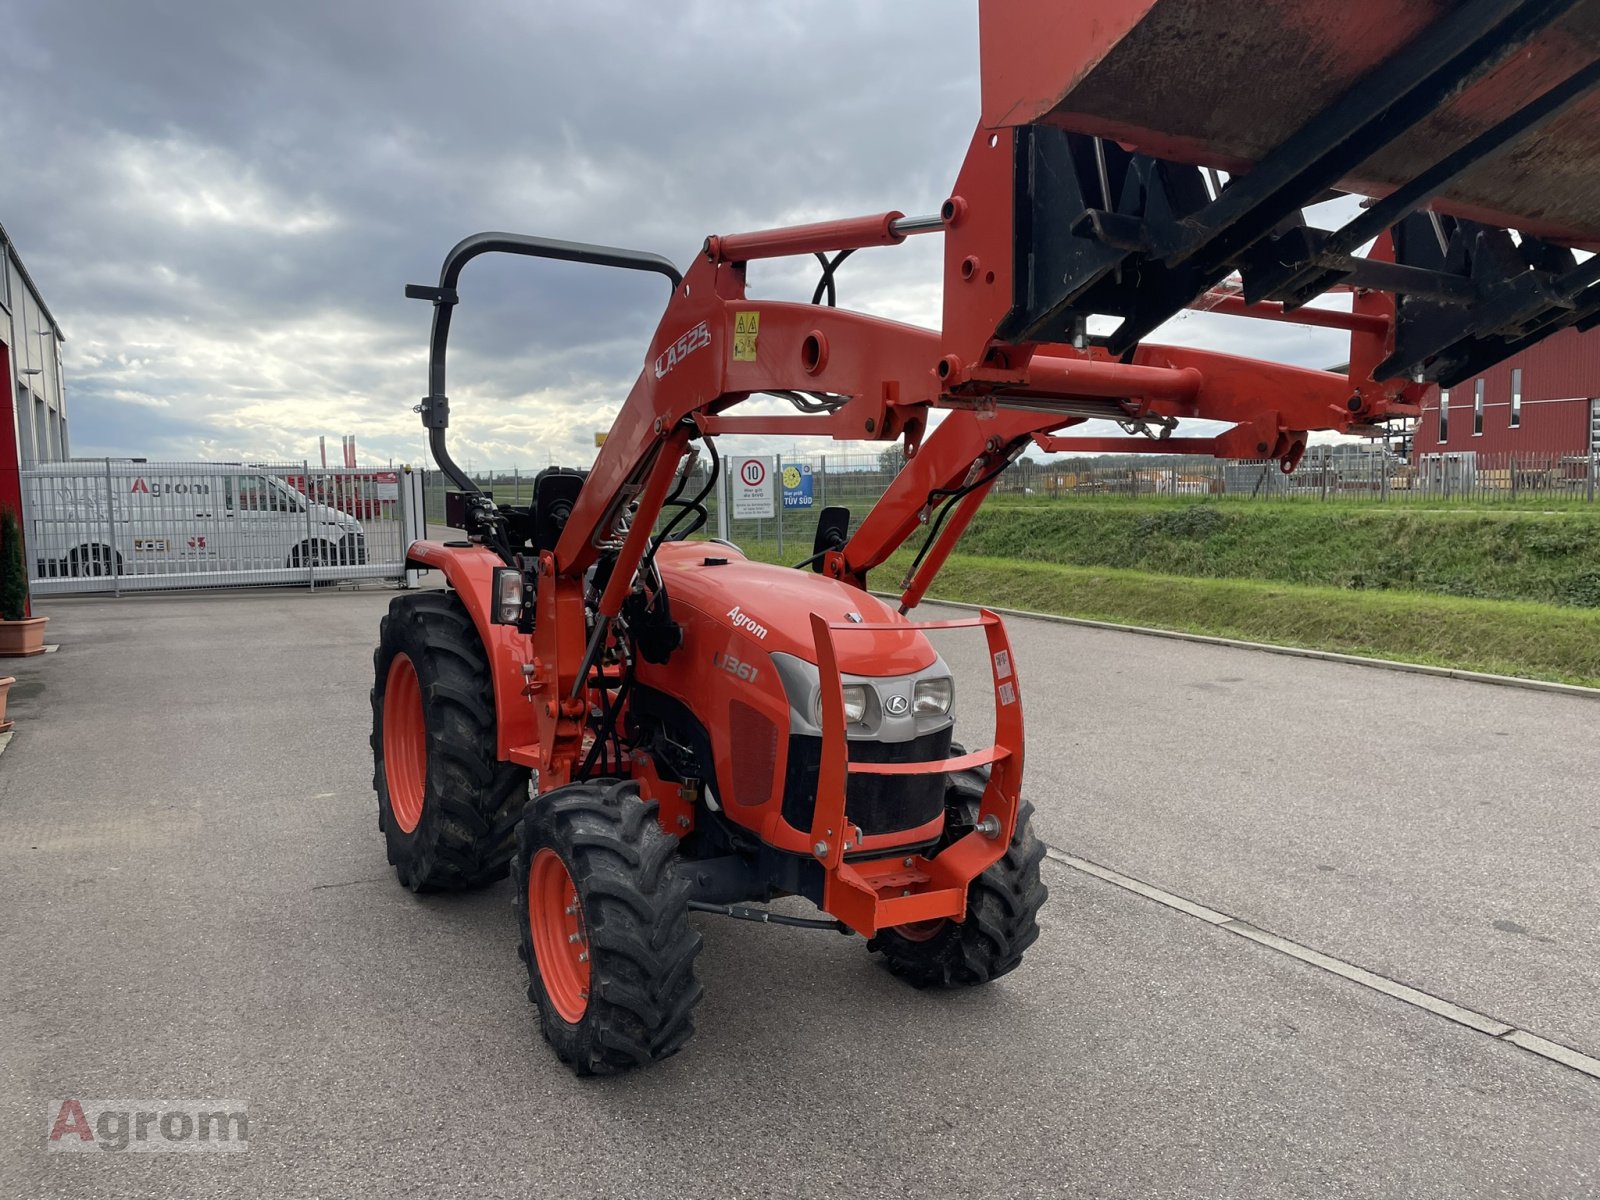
(1536, 407)
(10, 462)
(355, 492)
(702, 731)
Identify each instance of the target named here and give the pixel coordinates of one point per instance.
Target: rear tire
(1002, 906)
(442, 794)
(311, 554)
(605, 931)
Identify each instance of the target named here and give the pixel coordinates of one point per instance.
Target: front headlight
(932, 697)
(855, 704)
(507, 595)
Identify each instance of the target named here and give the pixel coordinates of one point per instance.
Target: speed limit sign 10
(753, 493)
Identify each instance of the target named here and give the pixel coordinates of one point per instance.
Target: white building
(30, 360)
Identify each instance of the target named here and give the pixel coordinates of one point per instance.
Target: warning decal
(746, 326)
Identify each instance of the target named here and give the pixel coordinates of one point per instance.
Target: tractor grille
(753, 740)
(877, 803)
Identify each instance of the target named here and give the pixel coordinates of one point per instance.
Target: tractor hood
(772, 606)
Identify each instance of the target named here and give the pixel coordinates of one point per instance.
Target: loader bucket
(1227, 84)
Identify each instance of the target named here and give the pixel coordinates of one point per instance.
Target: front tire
(605, 931)
(446, 806)
(1002, 906)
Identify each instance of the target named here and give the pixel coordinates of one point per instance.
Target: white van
(180, 523)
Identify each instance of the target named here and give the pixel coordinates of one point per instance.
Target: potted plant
(20, 634)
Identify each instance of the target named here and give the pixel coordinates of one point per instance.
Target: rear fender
(469, 569)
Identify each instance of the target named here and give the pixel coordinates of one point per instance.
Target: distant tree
(891, 458)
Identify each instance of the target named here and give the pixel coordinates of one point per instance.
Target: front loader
(643, 725)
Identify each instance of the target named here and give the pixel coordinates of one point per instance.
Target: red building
(1543, 403)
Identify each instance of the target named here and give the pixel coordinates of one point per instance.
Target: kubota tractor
(643, 725)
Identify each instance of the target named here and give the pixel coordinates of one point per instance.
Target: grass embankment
(1506, 593)
(1537, 641)
(1551, 557)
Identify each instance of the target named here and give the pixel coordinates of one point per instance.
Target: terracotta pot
(5, 690)
(19, 639)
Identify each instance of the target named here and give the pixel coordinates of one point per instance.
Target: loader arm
(1086, 201)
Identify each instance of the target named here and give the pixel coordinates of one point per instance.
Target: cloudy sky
(222, 201)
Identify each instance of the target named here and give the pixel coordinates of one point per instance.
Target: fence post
(111, 536)
(308, 557)
(724, 490)
(1590, 489)
(413, 519)
(777, 488)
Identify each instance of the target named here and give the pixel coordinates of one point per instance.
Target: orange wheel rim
(921, 931)
(560, 938)
(405, 743)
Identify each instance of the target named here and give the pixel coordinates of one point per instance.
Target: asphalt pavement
(196, 904)
(1441, 832)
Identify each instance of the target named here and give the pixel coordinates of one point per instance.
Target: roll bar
(435, 406)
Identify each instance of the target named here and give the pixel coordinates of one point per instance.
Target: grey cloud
(234, 194)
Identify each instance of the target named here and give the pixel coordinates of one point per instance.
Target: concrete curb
(1354, 660)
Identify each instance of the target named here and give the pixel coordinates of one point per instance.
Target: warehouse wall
(1559, 377)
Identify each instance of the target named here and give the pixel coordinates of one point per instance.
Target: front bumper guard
(906, 888)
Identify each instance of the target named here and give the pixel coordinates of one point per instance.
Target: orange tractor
(644, 725)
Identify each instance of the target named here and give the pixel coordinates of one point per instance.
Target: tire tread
(468, 792)
(642, 991)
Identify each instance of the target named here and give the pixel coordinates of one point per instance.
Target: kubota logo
(740, 621)
(697, 338)
(896, 705)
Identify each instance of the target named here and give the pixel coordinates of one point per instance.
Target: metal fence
(115, 525)
(1331, 473)
(853, 480)
(1327, 473)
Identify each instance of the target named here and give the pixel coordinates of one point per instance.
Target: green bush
(1583, 591)
(13, 574)
(1195, 521)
